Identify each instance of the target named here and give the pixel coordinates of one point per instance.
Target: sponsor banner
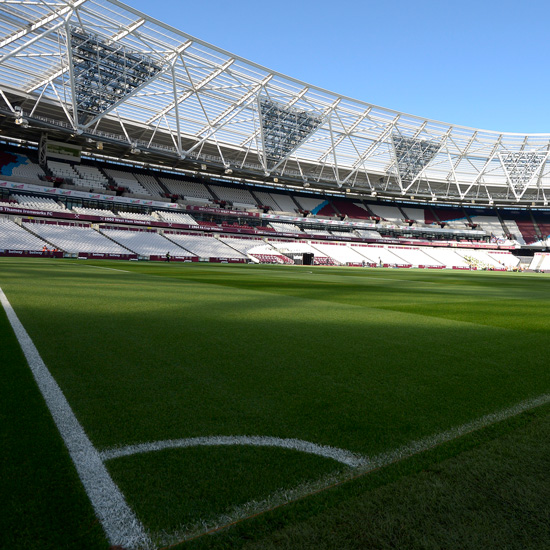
(34, 253)
(224, 211)
(160, 258)
(85, 195)
(101, 256)
(228, 260)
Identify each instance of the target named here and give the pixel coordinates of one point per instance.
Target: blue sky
(481, 64)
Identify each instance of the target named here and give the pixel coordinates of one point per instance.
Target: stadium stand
(284, 203)
(128, 181)
(39, 203)
(452, 216)
(267, 200)
(285, 227)
(151, 185)
(204, 246)
(143, 242)
(137, 216)
(368, 234)
(339, 252)
(237, 197)
(490, 224)
(415, 214)
(67, 172)
(18, 165)
(448, 257)
(92, 175)
(15, 237)
(175, 217)
(311, 204)
(389, 213)
(354, 211)
(190, 190)
(93, 211)
(74, 238)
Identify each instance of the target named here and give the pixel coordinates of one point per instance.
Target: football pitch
(236, 395)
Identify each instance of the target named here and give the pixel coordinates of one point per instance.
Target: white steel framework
(103, 71)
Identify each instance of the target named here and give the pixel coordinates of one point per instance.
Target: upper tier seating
(92, 174)
(93, 211)
(490, 224)
(73, 238)
(341, 233)
(389, 213)
(151, 185)
(416, 214)
(514, 230)
(317, 232)
(68, 172)
(175, 217)
(127, 180)
(15, 164)
(285, 227)
(368, 234)
(15, 237)
(267, 200)
(188, 189)
(353, 210)
(39, 203)
(453, 217)
(238, 197)
(284, 203)
(311, 204)
(137, 216)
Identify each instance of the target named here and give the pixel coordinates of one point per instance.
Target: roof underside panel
(203, 103)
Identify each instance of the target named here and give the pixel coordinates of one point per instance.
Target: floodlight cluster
(413, 155)
(521, 167)
(284, 129)
(104, 74)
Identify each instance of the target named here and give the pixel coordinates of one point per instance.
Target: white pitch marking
(119, 522)
(109, 268)
(340, 455)
(363, 465)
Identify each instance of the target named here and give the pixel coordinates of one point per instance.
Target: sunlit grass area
(364, 360)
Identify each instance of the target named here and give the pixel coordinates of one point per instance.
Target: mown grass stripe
(119, 522)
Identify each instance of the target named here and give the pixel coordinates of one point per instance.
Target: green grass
(43, 504)
(366, 360)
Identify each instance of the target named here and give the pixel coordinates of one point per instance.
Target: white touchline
(119, 522)
(340, 455)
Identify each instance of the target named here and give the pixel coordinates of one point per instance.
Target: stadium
(243, 311)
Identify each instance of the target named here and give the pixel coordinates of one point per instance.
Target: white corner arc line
(119, 522)
(340, 455)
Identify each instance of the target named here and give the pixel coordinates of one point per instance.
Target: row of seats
(74, 239)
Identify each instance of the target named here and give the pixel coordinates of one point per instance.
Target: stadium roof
(100, 73)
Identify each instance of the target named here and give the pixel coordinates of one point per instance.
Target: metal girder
(205, 101)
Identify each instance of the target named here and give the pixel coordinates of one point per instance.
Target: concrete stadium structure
(101, 75)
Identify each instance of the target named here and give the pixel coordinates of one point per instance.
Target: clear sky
(479, 63)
